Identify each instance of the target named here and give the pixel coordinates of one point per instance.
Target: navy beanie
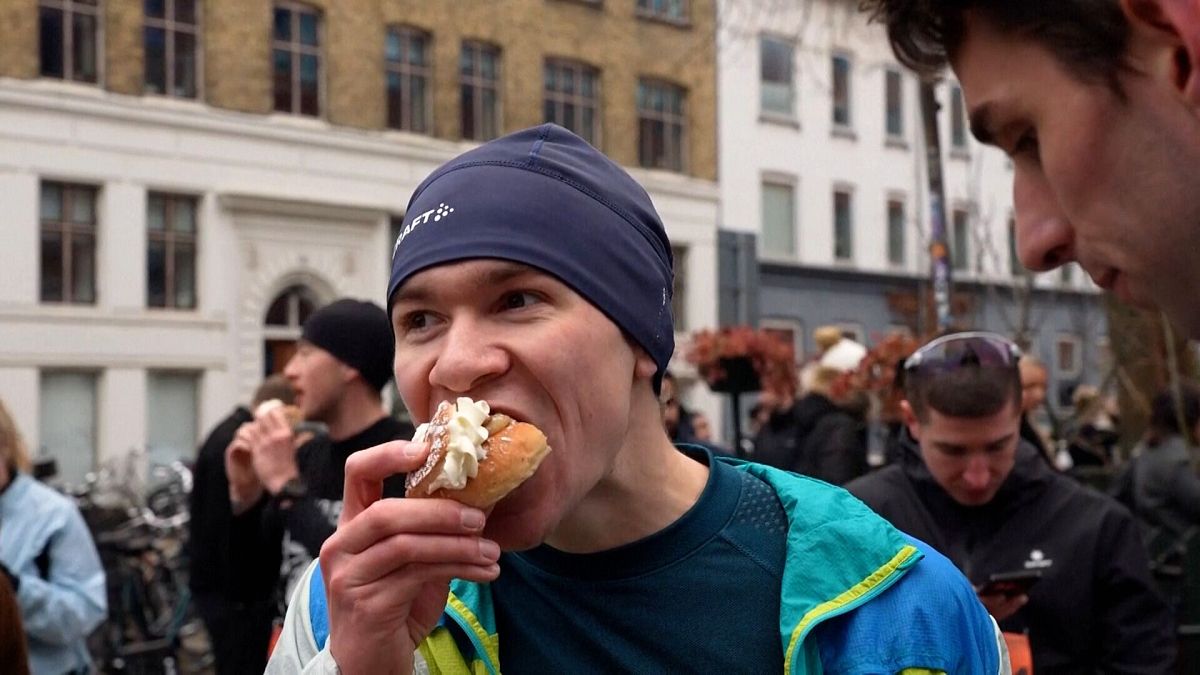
(358, 334)
(545, 198)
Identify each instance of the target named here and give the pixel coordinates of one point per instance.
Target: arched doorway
(281, 327)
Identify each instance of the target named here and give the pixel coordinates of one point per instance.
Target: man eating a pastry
(531, 285)
(285, 485)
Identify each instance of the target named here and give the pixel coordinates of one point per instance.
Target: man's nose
(977, 474)
(469, 357)
(1045, 238)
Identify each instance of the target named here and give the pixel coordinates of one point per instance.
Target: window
(171, 411)
(1014, 261)
(788, 331)
(896, 225)
(1067, 361)
(171, 251)
(841, 91)
(958, 120)
(660, 125)
(674, 11)
(960, 240)
(679, 288)
(572, 96)
(68, 228)
(893, 92)
(296, 54)
(68, 33)
(409, 74)
(287, 313)
(843, 225)
(777, 85)
(172, 35)
(67, 422)
(479, 70)
(779, 219)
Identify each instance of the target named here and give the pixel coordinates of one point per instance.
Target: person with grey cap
(534, 273)
(285, 488)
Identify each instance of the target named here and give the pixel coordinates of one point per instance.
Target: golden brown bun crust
(513, 455)
(290, 412)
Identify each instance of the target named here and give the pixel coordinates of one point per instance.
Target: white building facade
(185, 244)
(822, 159)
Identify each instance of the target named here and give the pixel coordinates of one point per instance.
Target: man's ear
(1164, 42)
(910, 420)
(644, 367)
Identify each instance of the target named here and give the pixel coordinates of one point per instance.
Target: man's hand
(1002, 606)
(244, 486)
(387, 569)
(274, 450)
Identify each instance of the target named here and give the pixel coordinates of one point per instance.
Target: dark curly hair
(1088, 37)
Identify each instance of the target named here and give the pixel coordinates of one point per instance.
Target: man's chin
(970, 498)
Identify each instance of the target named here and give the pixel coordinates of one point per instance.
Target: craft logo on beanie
(545, 198)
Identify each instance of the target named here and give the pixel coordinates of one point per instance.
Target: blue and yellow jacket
(858, 596)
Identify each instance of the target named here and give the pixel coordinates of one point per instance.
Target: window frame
(790, 182)
(69, 8)
(478, 83)
(67, 230)
(1076, 343)
(681, 255)
(791, 114)
(171, 27)
(296, 50)
(170, 238)
(897, 199)
(644, 10)
(958, 122)
(408, 71)
(847, 190)
(848, 125)
(890, 73)
(666, 118)
(964, 246)
(559, 98)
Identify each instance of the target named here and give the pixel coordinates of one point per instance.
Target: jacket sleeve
(70, 602)
(1136, 624)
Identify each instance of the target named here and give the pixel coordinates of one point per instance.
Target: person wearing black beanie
(286, 487)
(535, 274)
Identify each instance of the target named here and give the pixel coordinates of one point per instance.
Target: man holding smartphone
(969, 486)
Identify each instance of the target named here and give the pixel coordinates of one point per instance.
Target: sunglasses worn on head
(975, 349)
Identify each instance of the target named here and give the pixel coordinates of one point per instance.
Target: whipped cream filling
(464, 448)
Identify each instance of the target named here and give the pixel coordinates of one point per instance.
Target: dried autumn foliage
(773, 359)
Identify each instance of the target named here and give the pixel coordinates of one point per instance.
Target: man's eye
(416, 321)
(519, 300)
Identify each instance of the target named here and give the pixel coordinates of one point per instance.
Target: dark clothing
(1095, 608)
(1166, 490)
(14, 655)
(815, 437)
(1031, 436)
(1092, 446)
(294, 533)
(732, 543)
(237, 609)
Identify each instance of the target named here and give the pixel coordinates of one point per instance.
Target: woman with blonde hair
(47, 556)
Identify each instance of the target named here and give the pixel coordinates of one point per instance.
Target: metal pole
(939, 249)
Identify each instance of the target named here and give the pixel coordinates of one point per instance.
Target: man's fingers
(367, 469)
(401, 550)
(390, 517)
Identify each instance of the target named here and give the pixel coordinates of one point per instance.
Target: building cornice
(85, 317)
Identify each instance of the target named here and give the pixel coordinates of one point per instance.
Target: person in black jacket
(238, 620)
(287, 497)
(1166, 490)
(970, 487)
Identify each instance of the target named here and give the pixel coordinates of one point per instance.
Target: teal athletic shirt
(701, 595)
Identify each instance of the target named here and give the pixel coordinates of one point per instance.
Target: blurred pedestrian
(286, 494)
(970, 486)
(1033, 400)
(1094, 433)
(50, 560)
(233, 591)
(1166, 489)
(831, 431)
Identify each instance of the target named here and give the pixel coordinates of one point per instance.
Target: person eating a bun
(551, 525)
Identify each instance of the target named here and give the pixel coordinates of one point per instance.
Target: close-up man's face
(535, 350)
(1096, 179)
(969, 457)
(318, 378)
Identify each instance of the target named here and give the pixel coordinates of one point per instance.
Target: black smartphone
(1011, 584)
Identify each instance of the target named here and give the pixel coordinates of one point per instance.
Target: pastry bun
(513, 452)
(293, 414)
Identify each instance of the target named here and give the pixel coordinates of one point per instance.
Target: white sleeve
(296, 649)
(1002, 647)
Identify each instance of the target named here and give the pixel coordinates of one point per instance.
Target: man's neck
(651, 485)
(357, 409)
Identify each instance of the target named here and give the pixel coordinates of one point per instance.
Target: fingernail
(472, 519)
(414, 450)
(489, 550)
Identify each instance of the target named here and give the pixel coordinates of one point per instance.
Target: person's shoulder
(929, 618)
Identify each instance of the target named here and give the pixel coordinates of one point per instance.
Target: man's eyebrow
(495, 274)
(981, 124)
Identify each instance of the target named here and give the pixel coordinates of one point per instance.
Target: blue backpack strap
(318, 607)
